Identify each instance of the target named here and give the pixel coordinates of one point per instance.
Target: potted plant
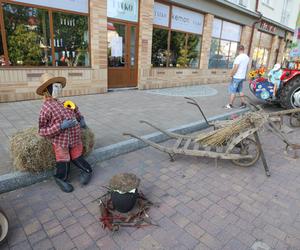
(124, 191)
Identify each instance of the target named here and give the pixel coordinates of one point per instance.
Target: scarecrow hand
(82, 122)
(68, 124)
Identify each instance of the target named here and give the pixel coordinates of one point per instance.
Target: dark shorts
(236, 86)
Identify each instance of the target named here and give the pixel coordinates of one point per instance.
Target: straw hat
(48, 79)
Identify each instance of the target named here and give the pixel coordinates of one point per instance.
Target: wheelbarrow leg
(171, 157)
(263, 158)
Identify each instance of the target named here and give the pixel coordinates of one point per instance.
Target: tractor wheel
(290, 94)
(3, 226)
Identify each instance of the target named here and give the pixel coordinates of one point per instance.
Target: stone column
(206, 40)
(145, 41)
(274, 50)
(245, 37)
(98, 31)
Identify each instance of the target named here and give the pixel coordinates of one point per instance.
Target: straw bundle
(124, 182)
(33, 153)
(221, 136)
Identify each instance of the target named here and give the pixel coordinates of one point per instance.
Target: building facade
(99, 45)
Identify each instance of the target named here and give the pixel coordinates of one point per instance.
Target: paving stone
(83, 241)
(63, 242)
(74, 230)
(36, 237)
(107, 243)
(24, 245)
(180, 220)
(95, 231)
(194, 230)
(45, 244)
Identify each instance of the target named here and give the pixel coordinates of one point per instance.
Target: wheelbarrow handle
(194, 102)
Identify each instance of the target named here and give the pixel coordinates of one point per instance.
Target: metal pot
(123, 202)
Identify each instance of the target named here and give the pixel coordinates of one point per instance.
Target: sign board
(161, 13)
(217, 27)
(116, 45)
(73, 5)
(186, 20)
(123, 9)
(231, 31)
(263, 25)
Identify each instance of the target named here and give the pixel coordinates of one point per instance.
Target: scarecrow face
(56, 90)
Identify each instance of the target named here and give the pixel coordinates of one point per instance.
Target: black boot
(85, 178)
(85, 169)
(61, 175)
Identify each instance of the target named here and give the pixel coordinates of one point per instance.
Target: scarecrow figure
(61, 124)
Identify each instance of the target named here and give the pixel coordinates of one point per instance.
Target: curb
(16, 180)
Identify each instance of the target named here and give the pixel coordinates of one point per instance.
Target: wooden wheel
(246, 147)
(295, 120)
(3, 226)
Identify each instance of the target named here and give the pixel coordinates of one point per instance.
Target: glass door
(122, 51)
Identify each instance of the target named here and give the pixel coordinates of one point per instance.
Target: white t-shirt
(242, 60)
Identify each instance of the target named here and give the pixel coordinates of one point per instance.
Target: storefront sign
(267, 27)
(161, 13)
(123, 9)
(217, 27)
(73, 5)
(186, 20)
(231, 31)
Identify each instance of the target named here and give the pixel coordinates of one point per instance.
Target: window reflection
(28, 35)
(70, 40)
(159, 47)
(193, 48)
(178, 51)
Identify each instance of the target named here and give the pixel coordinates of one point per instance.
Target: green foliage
(23, 47)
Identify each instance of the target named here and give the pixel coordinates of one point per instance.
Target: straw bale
(33, 153)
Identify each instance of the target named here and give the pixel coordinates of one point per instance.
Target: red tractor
(288, 94)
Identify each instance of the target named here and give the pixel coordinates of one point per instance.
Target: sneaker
(229, 106)
(243, 105)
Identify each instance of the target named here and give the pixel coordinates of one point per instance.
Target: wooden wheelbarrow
(244, 149)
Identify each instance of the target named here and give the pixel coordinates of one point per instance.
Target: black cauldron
(124, 202)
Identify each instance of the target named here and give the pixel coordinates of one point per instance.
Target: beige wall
(20, 84)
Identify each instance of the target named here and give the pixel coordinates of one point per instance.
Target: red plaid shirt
(52, 115)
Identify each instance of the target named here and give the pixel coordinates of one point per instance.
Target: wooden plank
(187, 143)
(196, 146)
(178, 142)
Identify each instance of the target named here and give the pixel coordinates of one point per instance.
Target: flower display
(69, 104)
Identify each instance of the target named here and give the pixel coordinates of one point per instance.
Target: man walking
(238, 74)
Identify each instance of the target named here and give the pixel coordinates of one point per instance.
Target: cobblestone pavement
(109, 115)
(202, 205)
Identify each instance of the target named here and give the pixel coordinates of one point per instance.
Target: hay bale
(33, 153)
(124, 182)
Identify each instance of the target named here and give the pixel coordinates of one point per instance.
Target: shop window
(224, 44)
(193, 48)
(260, 57)
(159, 47)
(71, 40)
(28, 35)
(176, 43)
(178, 51)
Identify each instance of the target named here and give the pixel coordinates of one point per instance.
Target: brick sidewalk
(202, 206)
(109, 115)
